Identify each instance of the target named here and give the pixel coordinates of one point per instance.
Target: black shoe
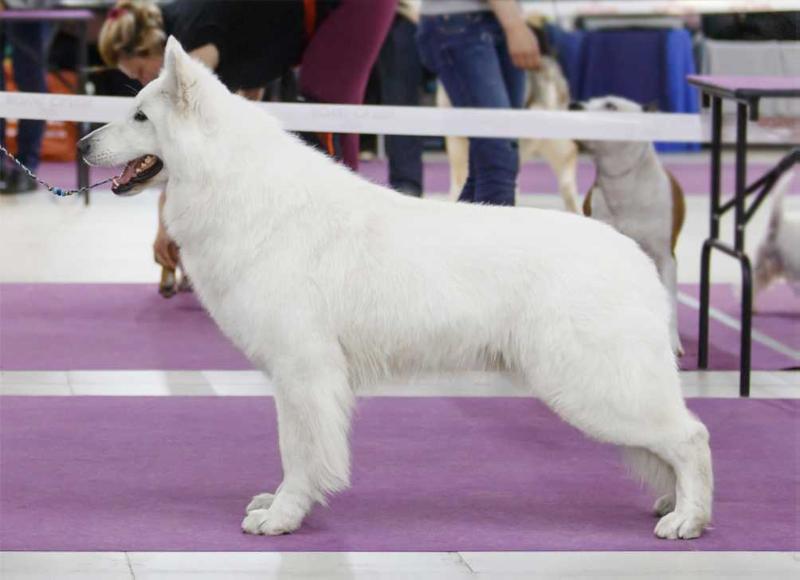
(18, 182)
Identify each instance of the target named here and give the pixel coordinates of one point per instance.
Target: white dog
(635, 194)
(327, 281)
(778, 255)
(547, 90)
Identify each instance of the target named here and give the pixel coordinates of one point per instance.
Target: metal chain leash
(52, 188)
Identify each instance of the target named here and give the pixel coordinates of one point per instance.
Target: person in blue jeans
(401, 77)
(28, 42)
(479, 49)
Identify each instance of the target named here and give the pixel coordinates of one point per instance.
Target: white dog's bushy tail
(650, 469)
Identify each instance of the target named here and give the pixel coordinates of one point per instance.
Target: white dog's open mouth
(137, 172)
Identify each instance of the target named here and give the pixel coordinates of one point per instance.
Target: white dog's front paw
(677, 525)
(269, 522)
(262, 501)
(664, 505)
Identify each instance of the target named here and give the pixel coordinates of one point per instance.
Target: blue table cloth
(644, 65)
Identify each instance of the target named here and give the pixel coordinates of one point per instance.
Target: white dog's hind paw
(664, 505)
(676, 525)
(269, 523)
(262, 501)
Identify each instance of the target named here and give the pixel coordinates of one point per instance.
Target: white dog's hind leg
(656, 474)
(690, 458)
(314, 411)
(629, 395)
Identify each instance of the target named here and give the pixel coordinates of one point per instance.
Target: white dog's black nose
(575, 106)
(83, 146)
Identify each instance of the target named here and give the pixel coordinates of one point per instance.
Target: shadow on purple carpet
(434, 474)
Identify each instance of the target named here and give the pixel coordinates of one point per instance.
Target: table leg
(739, 240)
(705, 256)
(82, 168)
(746, 344)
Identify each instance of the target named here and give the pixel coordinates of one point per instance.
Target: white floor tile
(787, 378)
(235, 377)
(723, 384)
(661, 565)
(34, 390)
(401, 565)
(34, 377)
(34, 383)
(239, 383)
(139, 383)
(64, 565)
(111, 240)
(323, 565)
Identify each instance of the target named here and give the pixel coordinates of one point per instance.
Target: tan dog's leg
(668, 272)
(457, 151)
(167, 287)
(562, 156)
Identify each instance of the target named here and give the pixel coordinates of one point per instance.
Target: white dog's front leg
(314, 409)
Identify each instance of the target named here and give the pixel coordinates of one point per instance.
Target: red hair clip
(116, 12)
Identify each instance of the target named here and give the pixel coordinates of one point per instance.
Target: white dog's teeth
(114, 182)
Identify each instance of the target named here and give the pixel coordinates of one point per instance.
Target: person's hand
(523, 46)
(165, 250)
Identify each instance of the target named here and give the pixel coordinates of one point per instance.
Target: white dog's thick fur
(327, 281)
(778, 255)
(635, 194)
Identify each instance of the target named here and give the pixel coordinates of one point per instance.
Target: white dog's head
(183, 93)
(608, 104)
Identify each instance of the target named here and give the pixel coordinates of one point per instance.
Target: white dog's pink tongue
(129, 172)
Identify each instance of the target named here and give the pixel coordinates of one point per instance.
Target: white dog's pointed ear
(179, 73)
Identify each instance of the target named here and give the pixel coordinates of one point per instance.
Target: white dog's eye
(139, 116)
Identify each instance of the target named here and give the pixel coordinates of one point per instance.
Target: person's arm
(522, 43)
(207, 54)
(165, 251)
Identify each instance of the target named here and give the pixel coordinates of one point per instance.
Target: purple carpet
(535, 176)
(130, 327)
(435, 474)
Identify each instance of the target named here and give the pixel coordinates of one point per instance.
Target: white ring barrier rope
(573, 8)
(422, 121)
